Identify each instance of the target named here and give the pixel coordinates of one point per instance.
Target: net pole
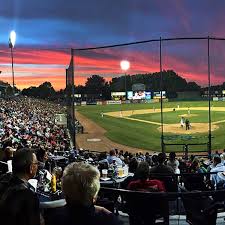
(209, 103)
(161, 102)
(67, 98)
(72, 102)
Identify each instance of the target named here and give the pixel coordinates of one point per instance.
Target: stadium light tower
(12, 42)
(125, 65)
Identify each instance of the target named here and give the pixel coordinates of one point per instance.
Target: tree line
(96, 85)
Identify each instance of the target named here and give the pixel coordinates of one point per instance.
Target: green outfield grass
(146, 136)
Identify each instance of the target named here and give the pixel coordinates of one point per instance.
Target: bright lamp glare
(125, 65)
(12, 38)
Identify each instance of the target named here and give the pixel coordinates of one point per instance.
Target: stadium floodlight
(12, 42)
(12, 39)
(125, 65)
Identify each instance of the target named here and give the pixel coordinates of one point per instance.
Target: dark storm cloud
(59, 24)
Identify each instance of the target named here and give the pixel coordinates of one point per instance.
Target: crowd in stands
(31, 139)
(26, 122)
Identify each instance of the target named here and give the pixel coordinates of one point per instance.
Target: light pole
(12, 41)
(125, 65)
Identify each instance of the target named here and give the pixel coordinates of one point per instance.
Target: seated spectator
(203, 166)
(102, 158)
(42, 158)
(140, 157)
(161, 167)
(148, 158)
(222, 156)
(7, 155)
(154, 161)
(126, 154)
(173, 162)
(217, 167)
(80, 183)
(18, 203)
(113, 158)
(193, 180)
(142, 181)
(103, 162)
(121, 156)
(133, 164)
(195, 166)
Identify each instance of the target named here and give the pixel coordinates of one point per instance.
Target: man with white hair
(80, 183)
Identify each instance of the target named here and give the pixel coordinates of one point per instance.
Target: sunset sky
(47, 29)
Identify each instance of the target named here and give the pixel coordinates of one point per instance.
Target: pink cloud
(33, 67)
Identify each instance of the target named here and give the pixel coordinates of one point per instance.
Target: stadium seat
(200, 210)
(194, 182)
(170, 181)
(145, 208)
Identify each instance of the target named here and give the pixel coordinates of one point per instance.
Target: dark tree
(46, 90)
(192, 86)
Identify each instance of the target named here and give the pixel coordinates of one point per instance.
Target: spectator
(27, 122)
(148, 158)
(80, 184)
(133, 164)
(42, 158)
(121, 155)
(222, 156)
(102, 158)
(143, 182)
(195, 166)
(193, 180)
(113, 158)
(103, 162)
(18, 203)
(217, 167)
(8, 153)
(161, 167)
(154, 160)
(173, 162)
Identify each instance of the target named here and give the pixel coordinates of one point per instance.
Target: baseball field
(139, 125)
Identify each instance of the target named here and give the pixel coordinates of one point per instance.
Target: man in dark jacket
(19, 205)
(80, 186)
(161, 167)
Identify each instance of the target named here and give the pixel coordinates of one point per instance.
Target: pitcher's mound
(195, 128)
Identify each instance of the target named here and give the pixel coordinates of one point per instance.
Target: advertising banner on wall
(130, 95)
(157, 94)
(113, 102)
(118, 95)
(136, 95)
(148, 95)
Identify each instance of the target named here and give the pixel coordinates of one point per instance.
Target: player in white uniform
(182, 121)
